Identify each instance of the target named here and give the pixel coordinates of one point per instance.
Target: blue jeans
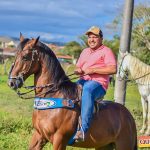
(92, 90)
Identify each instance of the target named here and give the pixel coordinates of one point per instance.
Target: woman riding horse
(112, 126)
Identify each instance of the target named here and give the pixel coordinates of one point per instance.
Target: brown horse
(112, 127)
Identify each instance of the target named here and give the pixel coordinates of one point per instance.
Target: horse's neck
(138, 69)
(130, 66)
(45, 76)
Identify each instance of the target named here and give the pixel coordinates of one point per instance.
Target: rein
(121, 69)
(52, 89)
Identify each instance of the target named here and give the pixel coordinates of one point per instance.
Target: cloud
(56, 19)
(48, 36)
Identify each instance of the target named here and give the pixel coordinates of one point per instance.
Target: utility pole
(120, 86)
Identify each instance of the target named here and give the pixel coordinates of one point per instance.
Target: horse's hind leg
(145, 108)
(37, 142)
(148, 117)
(108, 147)
(125, 144)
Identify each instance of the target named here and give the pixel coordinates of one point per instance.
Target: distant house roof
(8, 51)
(55, 48)
(64, 56)
(11, 50)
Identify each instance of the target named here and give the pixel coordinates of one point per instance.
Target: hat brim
(87, 33)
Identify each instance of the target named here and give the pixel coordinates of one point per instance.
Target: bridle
(125, 78)
(21, 75)
(20, 78)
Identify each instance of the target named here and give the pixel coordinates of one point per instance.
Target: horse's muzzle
(15, 83)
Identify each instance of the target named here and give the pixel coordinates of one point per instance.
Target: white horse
(140, 72)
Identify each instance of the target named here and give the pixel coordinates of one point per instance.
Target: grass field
(15, 115)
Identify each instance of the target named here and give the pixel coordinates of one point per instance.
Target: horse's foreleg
(37, 142)
(145, 108)
(58, 142)
(148, 118)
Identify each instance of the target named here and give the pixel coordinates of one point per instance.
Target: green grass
(15, 115)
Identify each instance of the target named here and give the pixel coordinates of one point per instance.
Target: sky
(58, 20)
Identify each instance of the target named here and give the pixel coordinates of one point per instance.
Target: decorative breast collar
(51, 103)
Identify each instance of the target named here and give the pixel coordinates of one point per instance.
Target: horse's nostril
(11, 84)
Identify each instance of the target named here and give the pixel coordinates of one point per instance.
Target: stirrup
(79, 137)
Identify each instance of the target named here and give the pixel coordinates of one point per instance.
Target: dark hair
(101, 34)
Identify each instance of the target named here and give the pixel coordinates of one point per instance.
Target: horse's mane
(58, 76)
(139, 69)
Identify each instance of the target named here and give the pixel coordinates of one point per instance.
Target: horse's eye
(25, 58)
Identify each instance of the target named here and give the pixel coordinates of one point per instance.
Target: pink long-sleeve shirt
(99, 58)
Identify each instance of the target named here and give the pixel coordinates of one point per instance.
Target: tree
(141, 26)
(141, 33)
(72, 48)
(113, 44)
(84, 41)
(140, 41)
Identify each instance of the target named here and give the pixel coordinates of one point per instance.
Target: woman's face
(94, 41)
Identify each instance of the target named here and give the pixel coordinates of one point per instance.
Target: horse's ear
(37, 39)
(21, 37)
